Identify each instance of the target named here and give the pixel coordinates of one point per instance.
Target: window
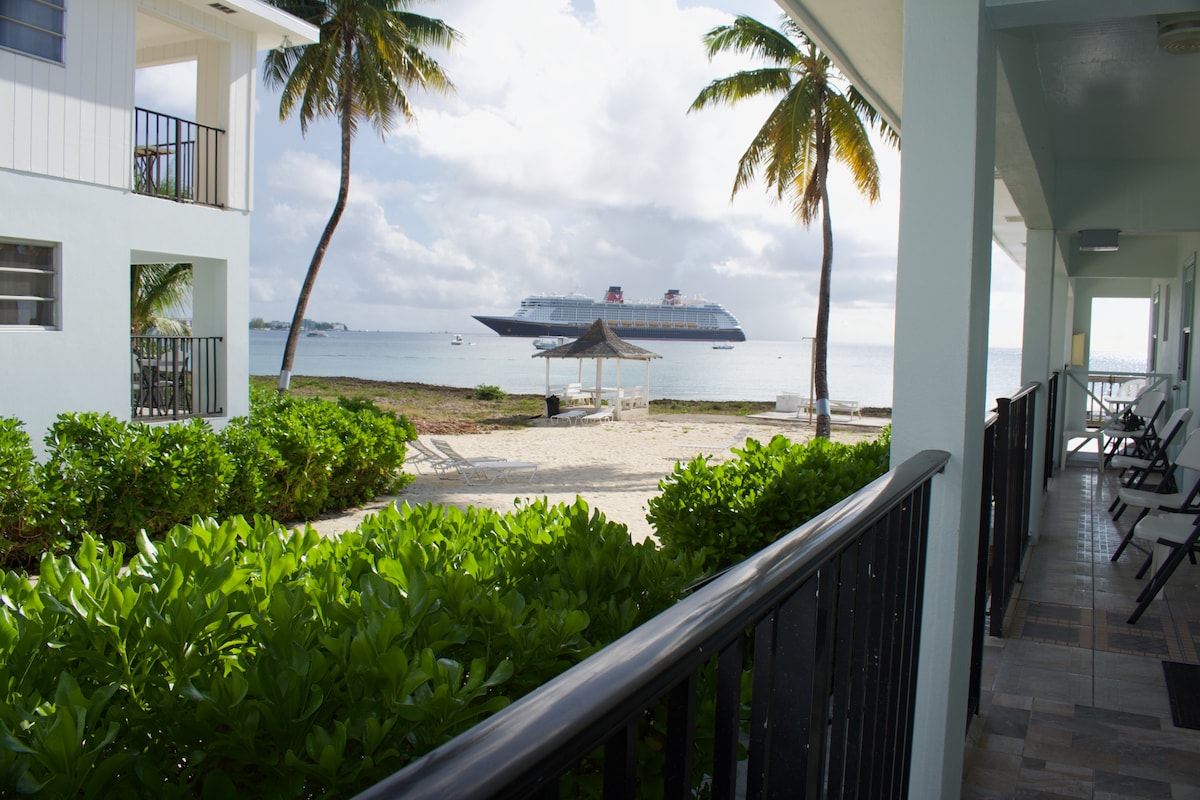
(28, 283)
(34, 27)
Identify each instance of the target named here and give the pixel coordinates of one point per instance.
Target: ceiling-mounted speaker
(1179, 36)
(1099, 240)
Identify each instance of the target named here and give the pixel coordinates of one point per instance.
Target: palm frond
(748, 36)
(742, 85)
(851, 146)
(873, 119)
(155, 291)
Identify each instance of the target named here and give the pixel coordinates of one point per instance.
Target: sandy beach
(614, 466)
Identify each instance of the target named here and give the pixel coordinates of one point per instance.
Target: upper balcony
(177, 159)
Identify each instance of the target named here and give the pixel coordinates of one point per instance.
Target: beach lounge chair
(479, 473)
(598, 416)
(484, 469)
(452, 463)
(425, 455)
(571, 417)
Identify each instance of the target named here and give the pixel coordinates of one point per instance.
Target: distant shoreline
(425, 400)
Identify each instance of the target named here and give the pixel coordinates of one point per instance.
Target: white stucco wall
(85, 364)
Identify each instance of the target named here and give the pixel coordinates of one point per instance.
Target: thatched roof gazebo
(601, 344)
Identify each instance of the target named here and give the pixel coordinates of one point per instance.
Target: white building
(90, 185)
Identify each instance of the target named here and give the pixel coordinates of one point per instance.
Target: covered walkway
(1075, 702)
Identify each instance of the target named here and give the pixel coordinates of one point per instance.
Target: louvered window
(28, 284)
(34, 27)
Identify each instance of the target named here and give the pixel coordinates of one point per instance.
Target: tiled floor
(1074, 702)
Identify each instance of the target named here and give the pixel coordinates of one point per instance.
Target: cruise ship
(572, 314)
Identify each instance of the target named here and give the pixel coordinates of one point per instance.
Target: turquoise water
(755, 370)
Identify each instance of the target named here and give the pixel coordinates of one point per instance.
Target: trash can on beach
(551, 405)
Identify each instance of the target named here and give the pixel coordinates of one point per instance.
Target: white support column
(1036, 349)
(942, 300)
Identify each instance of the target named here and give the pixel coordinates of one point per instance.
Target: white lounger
(597, 416)
(571, 417)
(485, 473)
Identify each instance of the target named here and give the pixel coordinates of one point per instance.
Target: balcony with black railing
(176, 159)
(176, 377)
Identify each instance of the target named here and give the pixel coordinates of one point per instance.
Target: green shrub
(723, 513)
(112, 479)
(20, 497)
(244, 659)
(309, 456)
(485, 391)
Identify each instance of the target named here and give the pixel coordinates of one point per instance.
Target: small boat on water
(316, 333)
(722, 347)
(549, 342)
(457, 339)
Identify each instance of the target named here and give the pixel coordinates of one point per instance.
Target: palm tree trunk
(289, 349)
(821, 354)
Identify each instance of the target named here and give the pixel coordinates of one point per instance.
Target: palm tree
(156, 290)
(369, 53)
(819, 115)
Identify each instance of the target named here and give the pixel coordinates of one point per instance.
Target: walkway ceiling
(1096, 124)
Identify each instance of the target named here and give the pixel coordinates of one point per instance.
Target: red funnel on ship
(672, 298)
(615, 295)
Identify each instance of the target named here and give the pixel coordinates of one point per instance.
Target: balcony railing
(1005, 500)
(176, 377)
(798, 666)
(176, 159)
(1100, 387)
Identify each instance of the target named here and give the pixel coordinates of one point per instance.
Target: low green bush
(307, 456)
(723, 513)
(247, 660)
(485, 391)
(290, 459)
(20, 497)
(111, 479)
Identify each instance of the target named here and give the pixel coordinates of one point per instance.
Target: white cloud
(565, 161)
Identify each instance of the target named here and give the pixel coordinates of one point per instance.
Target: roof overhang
(270, 25)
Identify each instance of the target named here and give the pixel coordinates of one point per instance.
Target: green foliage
(247, 660)
(723, 513)
(299, 457)
(19, 495)
(112, 479)
(485, 391)
(291, 459)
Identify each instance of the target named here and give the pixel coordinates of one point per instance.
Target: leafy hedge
(290, 459)
(723, 513)
(244, 659)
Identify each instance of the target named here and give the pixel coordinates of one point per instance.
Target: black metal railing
(1051, 430)
(176, 159)
(982, 564)
(797, 665)
(176, 377)
(1011, 496)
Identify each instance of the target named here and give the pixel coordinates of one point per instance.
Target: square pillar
(942, 299)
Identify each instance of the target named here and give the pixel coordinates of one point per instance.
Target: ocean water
(755, 370)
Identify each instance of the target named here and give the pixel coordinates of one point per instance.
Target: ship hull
(509, 326)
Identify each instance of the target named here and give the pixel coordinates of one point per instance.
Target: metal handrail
(852, 567)
(176, 158)
(176, 377)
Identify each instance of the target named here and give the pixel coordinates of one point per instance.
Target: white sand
(614, 466)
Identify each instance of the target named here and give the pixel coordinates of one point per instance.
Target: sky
(565, 161)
